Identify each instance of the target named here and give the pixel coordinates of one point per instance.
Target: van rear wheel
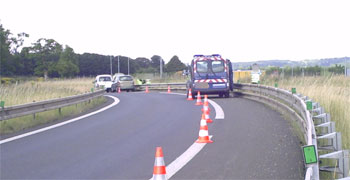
(227, 94)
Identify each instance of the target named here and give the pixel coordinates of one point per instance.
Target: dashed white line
(184, 158)
(116, 101)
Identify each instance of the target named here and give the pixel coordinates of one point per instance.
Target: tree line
(48, 58)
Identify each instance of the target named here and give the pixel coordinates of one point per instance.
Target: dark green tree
(67, 65)
(46, 53)
(175, 65)
(6, 68)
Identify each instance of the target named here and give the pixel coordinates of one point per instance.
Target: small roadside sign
(2, 104)
(309, 153)
(309, 105)
(294, 90)
(276, 85)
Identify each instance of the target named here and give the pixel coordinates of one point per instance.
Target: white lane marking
(116, 101)
(218, 110)
(184, 158)
(173, 93)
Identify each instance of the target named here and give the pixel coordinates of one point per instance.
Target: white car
(104, 81)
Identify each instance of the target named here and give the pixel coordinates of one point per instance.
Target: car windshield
(217, 66)
(125, 78)
(105, 79)
(202, 66)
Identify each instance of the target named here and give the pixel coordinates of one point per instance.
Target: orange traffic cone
(169, 91)
(206, 104)
(146, 90)
(190, 98)
(199, 101)
(207, 117)
(159, 170)
(119, 90)
(203, 132)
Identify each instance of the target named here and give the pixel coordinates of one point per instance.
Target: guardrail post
(60, 111)
(335, 139)
(342, 166)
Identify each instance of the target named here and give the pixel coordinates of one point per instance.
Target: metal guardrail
(162, 86)
(326, 128)
(36, 107)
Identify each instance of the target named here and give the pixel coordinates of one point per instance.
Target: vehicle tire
(221, 95)
(227, 94)
(127, 90)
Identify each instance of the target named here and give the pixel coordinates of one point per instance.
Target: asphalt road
(252, 142)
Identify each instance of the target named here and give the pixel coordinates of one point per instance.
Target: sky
(239, 30)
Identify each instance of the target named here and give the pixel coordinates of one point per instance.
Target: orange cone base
(189, 99)
(209, 121)
(204, 141)
(199, 103)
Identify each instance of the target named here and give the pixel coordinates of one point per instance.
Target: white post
(110, 62)
(118, 65)
(161, 67)
(128, 65)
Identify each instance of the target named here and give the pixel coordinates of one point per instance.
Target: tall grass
(332, 92)
(30, 91)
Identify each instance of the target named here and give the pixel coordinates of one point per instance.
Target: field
(33, 91)
(332, 92)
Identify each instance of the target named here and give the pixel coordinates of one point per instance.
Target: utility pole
(292, 70)
(110, 63)
(128, 66)
(118, 65)
(161, 67)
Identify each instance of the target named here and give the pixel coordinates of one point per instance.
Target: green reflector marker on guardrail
(276, 85)
(92, 89)
(294, 90)
(309, 105)
(2, 104)
(309, 153)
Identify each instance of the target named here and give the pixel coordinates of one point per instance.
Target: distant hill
(281, 63)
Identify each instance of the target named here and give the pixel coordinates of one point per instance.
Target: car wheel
(221, 95)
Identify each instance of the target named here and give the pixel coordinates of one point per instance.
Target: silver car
(124, 82)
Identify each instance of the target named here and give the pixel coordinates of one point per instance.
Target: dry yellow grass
(30, 91)
(332, 92)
